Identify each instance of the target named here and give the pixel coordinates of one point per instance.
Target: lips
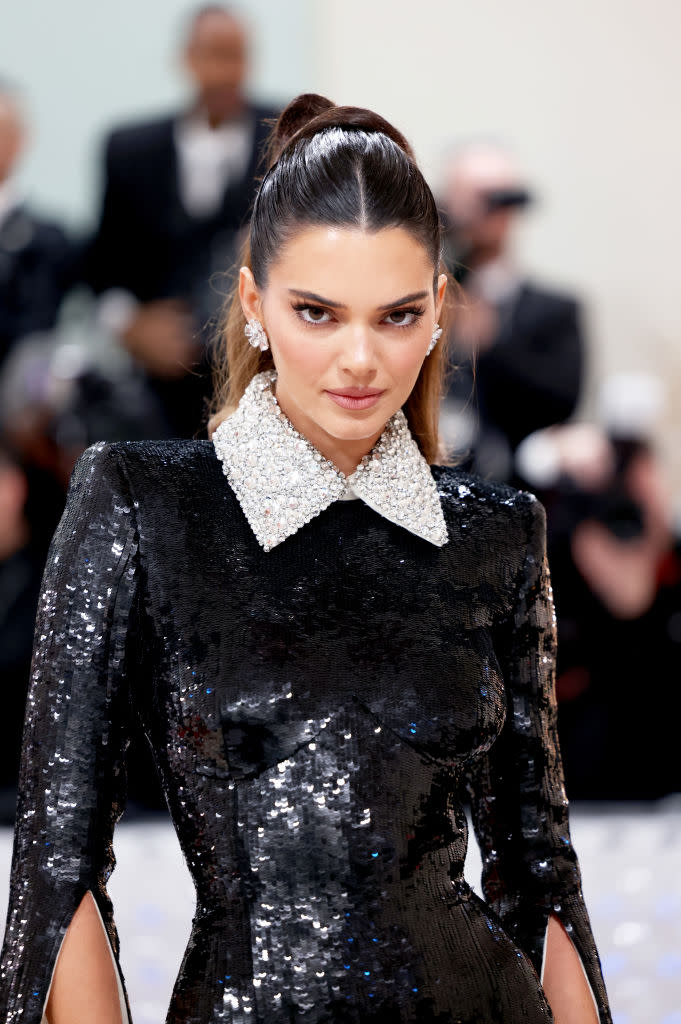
(355, 398)
(356, 392)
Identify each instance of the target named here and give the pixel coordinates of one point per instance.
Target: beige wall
(588, 94)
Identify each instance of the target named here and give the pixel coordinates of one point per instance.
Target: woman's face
(346, 309)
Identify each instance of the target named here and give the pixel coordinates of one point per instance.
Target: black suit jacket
(37, 266)
(146, 242)
(531, 375)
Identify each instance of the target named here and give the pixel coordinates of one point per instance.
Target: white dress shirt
(209, 158)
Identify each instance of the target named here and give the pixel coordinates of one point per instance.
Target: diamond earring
(255, 332)
(437, 331)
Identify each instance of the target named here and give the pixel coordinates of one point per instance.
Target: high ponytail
(346, 167)
(293, 118)
(310, 113)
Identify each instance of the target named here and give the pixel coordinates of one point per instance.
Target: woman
(331, 640)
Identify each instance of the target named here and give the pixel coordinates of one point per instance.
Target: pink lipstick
(356, 398)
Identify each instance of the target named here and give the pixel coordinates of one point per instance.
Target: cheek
(295, 350)
(405, 358)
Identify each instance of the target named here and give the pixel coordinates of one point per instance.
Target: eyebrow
(313, 297)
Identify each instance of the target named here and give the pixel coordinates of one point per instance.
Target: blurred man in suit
(524, 340)
(37, 261)
(176, 192)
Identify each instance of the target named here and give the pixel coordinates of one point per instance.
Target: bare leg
(564, 981)
(84, 985)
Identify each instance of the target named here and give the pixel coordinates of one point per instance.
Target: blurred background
(129, 147)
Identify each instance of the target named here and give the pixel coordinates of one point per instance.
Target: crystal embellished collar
(282, 480)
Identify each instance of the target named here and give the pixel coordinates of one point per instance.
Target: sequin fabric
(282, 480)
(318, 713)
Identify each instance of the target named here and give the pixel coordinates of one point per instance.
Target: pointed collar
(282, 480)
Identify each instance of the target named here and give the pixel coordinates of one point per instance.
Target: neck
(481, 254)
(215, 119)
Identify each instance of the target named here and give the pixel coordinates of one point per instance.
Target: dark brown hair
(347, 167)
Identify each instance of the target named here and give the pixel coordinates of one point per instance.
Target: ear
(441, 289)
(249, 294)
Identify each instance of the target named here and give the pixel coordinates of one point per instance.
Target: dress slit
(581, 962)
(125, 1018)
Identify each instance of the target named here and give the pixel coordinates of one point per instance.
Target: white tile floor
(631, 867)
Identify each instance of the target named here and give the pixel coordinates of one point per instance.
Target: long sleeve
(72, 781)
(519, 806)
(105, 264)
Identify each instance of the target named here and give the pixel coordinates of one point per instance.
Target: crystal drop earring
(255, 332)
(437, 331)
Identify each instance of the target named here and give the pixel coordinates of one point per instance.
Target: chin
(222, 106)
(351, 428)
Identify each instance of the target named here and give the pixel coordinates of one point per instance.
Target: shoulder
(549, 300)
(265, 117)
(146, 463)
(167, 455)
(139, 137)
(507, 513)
(262, 111)
(26, 227)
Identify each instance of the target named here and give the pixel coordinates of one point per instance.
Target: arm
(34, 279)
(531, 875)
(72, 780)
(541, 364)
(107, 255)
(118, 264)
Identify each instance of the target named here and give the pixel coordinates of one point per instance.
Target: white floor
(631, 867)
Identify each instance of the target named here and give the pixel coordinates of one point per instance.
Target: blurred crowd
(512, 412)
(107, 336)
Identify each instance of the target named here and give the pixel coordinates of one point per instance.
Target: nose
(358, 354)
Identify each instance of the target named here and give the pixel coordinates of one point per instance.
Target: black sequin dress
(318, 713)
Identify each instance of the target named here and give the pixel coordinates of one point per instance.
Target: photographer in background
(615, 560)
(524, 341)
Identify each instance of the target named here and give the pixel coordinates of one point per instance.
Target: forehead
(343, 263)
(217, 28)
(484, 167)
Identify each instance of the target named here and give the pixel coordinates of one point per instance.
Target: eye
(405, 317)
(312, 314)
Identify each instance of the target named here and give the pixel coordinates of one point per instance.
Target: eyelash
(416, 311)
